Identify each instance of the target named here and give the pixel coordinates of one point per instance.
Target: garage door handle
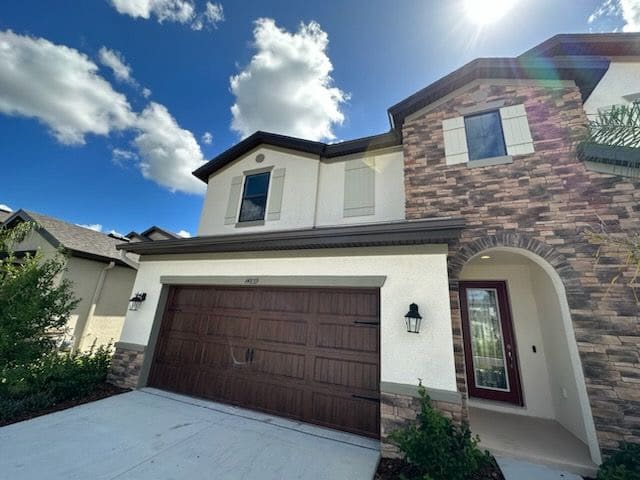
(366, 323)
(247, 355)
(364, 397)
(251, 354)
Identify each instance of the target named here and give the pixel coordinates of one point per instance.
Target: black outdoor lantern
(136, 300)
(413, 319)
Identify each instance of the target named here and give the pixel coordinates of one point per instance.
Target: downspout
(79, 330)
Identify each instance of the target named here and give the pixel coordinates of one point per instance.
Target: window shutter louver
(234, 200)
(359, 188)
(517, 136)
(275, 194)
(455, 141)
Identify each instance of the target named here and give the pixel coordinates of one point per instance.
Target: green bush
(438, 448)
(54, 378)
(622, 465)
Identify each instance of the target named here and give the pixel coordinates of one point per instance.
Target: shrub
(54, 378)
(438, 448)
(622, 465)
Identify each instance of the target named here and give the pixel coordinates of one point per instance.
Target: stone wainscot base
(126, 365)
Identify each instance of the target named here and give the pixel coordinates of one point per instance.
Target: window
(254, 197)
(485, 138)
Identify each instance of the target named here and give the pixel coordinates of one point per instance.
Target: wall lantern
(136, 300)
(413, 319)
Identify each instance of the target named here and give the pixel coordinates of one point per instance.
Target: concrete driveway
(150, 434)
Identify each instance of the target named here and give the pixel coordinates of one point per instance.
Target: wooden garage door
(309, 354)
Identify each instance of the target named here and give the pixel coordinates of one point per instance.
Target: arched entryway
(520, 363)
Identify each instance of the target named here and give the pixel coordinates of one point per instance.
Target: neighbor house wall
(620, 81)
(527, 328)
(105, 325)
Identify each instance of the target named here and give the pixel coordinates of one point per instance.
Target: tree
(34, 303)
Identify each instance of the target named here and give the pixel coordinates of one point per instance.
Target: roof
(587, 44)
(435, 230)
(4, 214)
(154, 228)
(586, 72)
(80, 241)
(325, 150)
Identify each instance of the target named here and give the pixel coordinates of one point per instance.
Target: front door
(489, 344)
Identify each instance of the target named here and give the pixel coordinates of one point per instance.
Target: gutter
(80, 326)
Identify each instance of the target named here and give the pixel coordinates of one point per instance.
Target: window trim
(243, 197)
(466, 134)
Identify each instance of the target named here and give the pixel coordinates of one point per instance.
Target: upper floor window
(254, 197)
(485, 138)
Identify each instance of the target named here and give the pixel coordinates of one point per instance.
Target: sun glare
(485, 12)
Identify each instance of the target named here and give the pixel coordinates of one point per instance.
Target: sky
(106, 106)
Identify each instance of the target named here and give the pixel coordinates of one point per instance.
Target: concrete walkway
(150, 434)
(519, 470)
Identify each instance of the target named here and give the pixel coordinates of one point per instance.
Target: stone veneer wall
(542, 202)
(126, 365)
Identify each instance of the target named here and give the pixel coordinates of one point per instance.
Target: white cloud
(121, 156)
(184, 234)
(115, 61)
(207, 138)
(60, 87)
(624, 12)
(180, 11)
(168, 153)
(287, 87)
(146, 93)
(5, 207)
(96, 227)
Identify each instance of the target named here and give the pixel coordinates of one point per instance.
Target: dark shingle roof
(78, 240)
(4, 215)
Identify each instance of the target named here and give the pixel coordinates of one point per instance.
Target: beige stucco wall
(105, 325)
(389, 188)
(298, 200)
(413, 274)
(622, 78)
(528, 332)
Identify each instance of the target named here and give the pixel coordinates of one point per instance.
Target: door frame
(514, 396)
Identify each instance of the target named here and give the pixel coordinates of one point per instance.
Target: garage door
(308, 354)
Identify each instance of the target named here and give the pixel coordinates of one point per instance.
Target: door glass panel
(487, 345)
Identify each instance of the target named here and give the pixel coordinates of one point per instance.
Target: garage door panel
(353, 337)
(338, 372)
(309, 354)
(352, 414)
(292, 332)
(227, 326)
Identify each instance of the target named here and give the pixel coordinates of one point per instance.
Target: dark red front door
(489, 345)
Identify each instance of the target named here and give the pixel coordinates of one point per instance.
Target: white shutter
(455, 141)
(275, 194)
(234, 200)
(359, 187)
(515, 126)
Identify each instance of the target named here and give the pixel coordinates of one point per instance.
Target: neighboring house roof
(589, 44)
(79, 241)
(4, 214)
(367, 235)
(325, 150)
(577, 57)
(146, 235)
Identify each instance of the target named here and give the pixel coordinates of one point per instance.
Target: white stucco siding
(527, 328)
(413, 274)
(622, 79)
(298, 200)
(389, 189)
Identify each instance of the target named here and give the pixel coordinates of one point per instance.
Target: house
(151, 234)
(297, 295)
(102, 276)
(4, 214)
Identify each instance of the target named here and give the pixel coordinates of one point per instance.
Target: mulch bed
(392, 469)
(103, 390)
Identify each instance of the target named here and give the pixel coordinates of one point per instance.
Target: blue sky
(85, 142)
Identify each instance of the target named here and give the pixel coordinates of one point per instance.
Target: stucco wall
(106, 323)
(389, 189)
(298, 200)
(413, 274)
(527, 328)
(622, 78)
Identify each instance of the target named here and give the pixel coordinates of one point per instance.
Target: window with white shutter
(359, 188)
(455, 141)
(517, 136)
